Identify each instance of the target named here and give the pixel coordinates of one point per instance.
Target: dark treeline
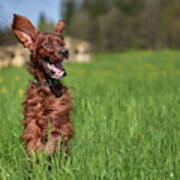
(117, 25)
(7, 37)
(113, 25)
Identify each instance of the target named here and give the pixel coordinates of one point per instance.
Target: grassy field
(126, 117)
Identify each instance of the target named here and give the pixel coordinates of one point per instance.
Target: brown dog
(48, 103)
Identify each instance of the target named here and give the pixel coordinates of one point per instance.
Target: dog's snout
(64, 52)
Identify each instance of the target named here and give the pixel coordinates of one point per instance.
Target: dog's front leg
(32, 137)
(52, 143)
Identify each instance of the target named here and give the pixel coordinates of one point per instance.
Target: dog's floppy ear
(60, 27)
(24, 30)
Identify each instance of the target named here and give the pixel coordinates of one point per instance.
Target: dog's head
(48, 49)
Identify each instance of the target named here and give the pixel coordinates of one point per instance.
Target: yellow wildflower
(3, 90)
(147, 53)
(148, 65)
(163, 73)
(177, 71)
(1, 79)
(80, 72)
(20, 91)
(17, 78)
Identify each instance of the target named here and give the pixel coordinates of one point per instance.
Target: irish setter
(48, 103)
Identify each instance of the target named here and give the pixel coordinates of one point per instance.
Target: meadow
(126, 117)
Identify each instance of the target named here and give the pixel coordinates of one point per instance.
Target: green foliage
(171, 22)
(44, 25)
(126, 118)
(129, 7)
(114, 25)
(96, 8)
(68, 9)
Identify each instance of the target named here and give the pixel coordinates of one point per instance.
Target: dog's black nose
(64, 73)
(64, 52)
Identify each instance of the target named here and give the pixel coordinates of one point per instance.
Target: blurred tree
(118, 31)
(80, 25)
(171, 24)
(7, 37)
(96, 7)
(111, 32)
(68, 10)
(149, 22)
(44, 25)
(129, 7)
(123, 24)
(153, 22)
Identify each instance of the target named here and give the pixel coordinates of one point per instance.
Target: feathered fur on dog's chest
(42, 103)
(44, 109)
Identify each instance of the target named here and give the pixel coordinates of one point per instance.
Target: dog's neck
(37, 73)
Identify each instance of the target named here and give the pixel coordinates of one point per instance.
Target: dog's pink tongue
(56, 70)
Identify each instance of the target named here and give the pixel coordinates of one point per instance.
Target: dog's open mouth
(55, 71)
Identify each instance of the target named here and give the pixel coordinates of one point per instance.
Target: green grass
(126, 117)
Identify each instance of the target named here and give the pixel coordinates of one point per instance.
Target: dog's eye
(62, 44)
(47, 44)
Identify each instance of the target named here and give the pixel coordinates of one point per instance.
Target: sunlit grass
(126, 118)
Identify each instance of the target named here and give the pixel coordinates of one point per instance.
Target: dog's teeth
(48, 65)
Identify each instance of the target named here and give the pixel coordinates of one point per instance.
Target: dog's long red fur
(46, 109)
